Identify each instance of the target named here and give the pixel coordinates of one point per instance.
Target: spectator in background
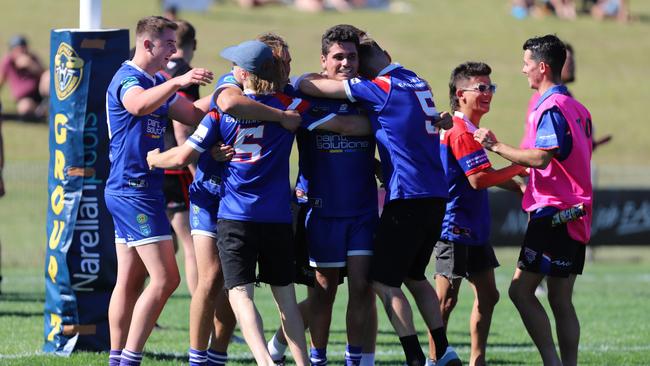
(612, 9)
(27, 78)
(171, 13)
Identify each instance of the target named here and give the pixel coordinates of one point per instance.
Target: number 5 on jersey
(247, 151)
(429, 108)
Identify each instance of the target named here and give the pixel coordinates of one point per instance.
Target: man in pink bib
(558, 199)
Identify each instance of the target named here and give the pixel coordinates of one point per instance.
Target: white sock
(430, 362)
(367, 359)
(276, 349)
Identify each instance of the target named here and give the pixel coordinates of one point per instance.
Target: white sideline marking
(379, 353)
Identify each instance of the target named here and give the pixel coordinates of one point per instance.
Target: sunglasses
(483, 88)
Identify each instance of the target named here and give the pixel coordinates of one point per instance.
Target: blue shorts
(203, 218)
(138, 220)
(333, 239)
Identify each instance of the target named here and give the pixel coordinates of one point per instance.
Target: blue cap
(252, 56)
(17, 40)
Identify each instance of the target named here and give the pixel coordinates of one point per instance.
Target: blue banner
(80, 262)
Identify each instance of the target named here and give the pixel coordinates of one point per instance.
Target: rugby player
(463, 250)
(138, 102)
(403, 116)
(560, 180)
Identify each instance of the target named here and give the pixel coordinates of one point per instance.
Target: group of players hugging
(434, 167)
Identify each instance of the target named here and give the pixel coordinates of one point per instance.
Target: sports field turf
(612, 296)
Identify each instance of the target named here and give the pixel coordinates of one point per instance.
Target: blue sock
(352, 355)
(318, 356)
(198, 358)
(217, 358)
(130, 358)
(114, 357)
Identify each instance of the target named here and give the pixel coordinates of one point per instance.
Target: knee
(209, 285)
(448, 302)
(515, 293)
(489, 298)
(560, 304)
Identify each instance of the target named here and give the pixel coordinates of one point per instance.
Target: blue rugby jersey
(467, 218)
(336, 172)
(131, 137)
(255, 183)
(207, 178)
(401, 109)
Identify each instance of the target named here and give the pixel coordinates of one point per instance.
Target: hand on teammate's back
(222, 152)
(150, 156)
(197, 75)
(445, 121)
(291, 120)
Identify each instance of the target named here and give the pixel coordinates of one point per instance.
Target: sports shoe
(450, 358)
(280, 362)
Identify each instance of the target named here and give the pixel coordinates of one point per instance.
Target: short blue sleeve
(553, 132)
(207, 133)
(371, 94)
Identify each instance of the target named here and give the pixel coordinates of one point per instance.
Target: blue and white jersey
(336, 172)
(227, 80)
(401, 110)
(131, 137)
(256, 181)
(207, 178)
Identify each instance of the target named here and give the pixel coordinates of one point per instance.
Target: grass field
(610, 298)
(612, 59)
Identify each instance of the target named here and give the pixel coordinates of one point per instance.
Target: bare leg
(397, 308)
(486, 297)
(181, 224)
(322, 301)
(567, 326)
(427, 300)
(522, 294)
(131, 274)
(360, 303)
(250, 321)
(160, 262)
(294, 329)
(210, 283)
(447, 291)
(224, 323)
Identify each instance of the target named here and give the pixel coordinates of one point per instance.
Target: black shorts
(550, 250)
(408, 230)
(455, 260)
(243, 244)
(176, 190)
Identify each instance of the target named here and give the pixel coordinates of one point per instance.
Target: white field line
(389, 352)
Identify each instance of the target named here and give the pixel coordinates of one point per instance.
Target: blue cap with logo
(252, 56)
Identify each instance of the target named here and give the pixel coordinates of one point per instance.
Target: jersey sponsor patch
(200, 133)
(129, 82)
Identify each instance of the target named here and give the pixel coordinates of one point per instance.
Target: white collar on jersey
(470, 126)
(389, 68)
(133, 65)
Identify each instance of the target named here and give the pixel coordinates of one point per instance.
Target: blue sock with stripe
(130, 358)
(114, 357)
(217, 358)
(318, 356)
(352, 355)
(197, 358)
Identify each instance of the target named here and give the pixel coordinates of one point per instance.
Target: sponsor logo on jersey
(338, 143)
(145, 229)
(200, 133)
(530, 255)
(142, 218)
(68, 71)
(155, 128)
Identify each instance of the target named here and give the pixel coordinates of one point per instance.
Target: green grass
(611, 297)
